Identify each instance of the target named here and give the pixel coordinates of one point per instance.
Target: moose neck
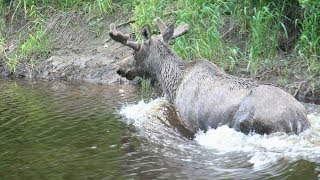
(165, 67)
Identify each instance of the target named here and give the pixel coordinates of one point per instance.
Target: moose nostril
(129, 76)
(120, 72)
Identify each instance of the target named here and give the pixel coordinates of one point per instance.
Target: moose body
(204, 96)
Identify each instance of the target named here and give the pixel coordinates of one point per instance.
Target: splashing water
(266, 149)
(258, 150)
(138, 114)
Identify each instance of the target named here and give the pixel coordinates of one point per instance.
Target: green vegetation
(2, 31)
(308, 46)
(252, 35)
(34, 41)
(145, 89)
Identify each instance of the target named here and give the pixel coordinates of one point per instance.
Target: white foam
(260, 150)
(265, 149)
(139, 114)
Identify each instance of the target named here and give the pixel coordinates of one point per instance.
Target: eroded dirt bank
(83, 51)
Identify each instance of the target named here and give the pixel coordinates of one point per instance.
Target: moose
(204, 96)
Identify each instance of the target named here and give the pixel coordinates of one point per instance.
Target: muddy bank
(297, 82)
(83, 51)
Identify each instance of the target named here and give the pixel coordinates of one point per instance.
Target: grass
(36, 45)
(145, 89)
(34, 42)
(234, 34)
(259, 24)
(256, 28)
(205, 44)
(99, 6)
(2, 33)
(146, 11)
(265, 24)
(308, 47)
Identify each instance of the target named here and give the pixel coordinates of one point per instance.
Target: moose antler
(122, 38)
(161, 25)
(179, 31)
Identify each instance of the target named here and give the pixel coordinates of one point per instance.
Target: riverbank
(74, 46)
(79, 52)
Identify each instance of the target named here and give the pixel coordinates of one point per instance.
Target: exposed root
(265, 75)
(125, 23)
(230, 28)
(298, 88)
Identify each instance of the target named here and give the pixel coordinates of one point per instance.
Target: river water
(57, 130)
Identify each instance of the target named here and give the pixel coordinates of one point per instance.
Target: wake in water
(259, 150)
(266, 149)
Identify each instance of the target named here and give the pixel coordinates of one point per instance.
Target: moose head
(137, 65)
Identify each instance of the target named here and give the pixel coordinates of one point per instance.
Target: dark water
(54, 130)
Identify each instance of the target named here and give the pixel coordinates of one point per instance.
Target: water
(54, 130)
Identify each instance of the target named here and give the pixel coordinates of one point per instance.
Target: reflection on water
(54, 130)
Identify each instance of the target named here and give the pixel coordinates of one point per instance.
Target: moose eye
(145, 33)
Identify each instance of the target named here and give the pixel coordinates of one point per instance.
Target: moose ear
(168, 33)
(146, 33)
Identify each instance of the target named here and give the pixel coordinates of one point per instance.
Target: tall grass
(35, 46)
(204, 39)
(32, 44)
(146, 11)
(256, 30)
(265, 24)
(97, 6)
(31, 48)
(2, 30)
(308, 46)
